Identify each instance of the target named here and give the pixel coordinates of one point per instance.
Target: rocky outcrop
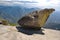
(4, 22)
(0, 22)
(36, 18)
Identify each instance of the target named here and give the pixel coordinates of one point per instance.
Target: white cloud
(15, 0)
(40, 3)
(5, 0)
(48, 4)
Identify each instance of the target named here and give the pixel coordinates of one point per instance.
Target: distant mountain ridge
(13, 13)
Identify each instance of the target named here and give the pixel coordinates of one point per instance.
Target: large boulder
(35, 19)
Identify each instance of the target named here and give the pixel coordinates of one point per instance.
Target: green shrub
(4, 22)
(12, 24)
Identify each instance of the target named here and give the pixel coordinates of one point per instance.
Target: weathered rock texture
(36, 18)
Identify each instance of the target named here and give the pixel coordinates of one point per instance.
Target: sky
(34, 3)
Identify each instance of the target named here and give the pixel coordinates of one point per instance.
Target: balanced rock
(35, 19)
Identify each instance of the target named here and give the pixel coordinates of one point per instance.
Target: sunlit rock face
(35, 19)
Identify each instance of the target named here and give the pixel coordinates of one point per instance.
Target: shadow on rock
(29, 31)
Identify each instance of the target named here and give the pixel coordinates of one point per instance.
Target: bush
(12, 24)
(4, 22)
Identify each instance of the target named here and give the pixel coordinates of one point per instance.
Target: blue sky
(35, 3)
